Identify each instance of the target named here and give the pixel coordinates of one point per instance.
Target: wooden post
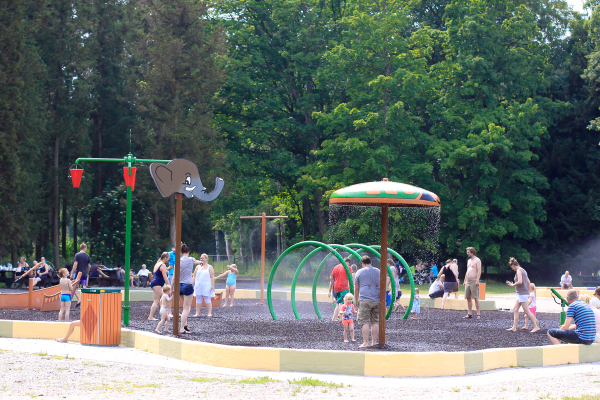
(383, 273)
(263, 217)
(31, 293)
(176, 276)
(262, 258)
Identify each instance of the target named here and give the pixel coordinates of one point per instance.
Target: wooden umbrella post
(383, 273)
(175, 282)
(263, 217)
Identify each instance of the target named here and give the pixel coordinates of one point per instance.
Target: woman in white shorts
(521, 284)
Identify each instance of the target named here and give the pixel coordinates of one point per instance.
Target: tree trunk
(228, 248)
(283, 245)
(64, 228)
(56, 210)
(217, 244)
(320, 213)
(75, 232)
(172, 222)
(14, 257)
(38, 247)
(307, 217)
(278, 234)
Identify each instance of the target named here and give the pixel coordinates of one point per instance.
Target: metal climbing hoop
(286, 252)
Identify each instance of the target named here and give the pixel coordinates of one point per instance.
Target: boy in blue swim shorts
(66, 288)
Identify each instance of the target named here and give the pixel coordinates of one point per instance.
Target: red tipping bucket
(129, 180)
(76, 175)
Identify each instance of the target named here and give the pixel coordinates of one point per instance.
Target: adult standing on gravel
(454, 266)
(338, 282)
(81, 264)
(159, 279)
(450, 282)
(204, 284)
(584, 329)
(186, 285)
(521, 284)
(367, 293)
(472, 282)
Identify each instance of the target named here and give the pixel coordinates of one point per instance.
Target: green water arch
(321, 246)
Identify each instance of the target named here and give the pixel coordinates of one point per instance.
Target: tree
(489, 123)
(179, 52)
(276, 49)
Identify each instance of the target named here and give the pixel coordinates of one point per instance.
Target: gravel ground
(35, 368)
(248, 324)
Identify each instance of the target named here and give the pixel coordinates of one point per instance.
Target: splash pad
(333, 251)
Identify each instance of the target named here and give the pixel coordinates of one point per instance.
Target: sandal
(468, 316)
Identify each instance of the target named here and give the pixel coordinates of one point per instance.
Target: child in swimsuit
(231, 282)
(532, 304)
(416, 307)
(66, 287)
(165, 306)
(347, 310)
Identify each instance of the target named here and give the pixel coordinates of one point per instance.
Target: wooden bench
(588, 280)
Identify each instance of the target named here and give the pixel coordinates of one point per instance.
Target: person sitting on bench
(142, 275)
(566, 281)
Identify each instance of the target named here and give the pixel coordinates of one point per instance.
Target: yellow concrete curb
(393, 364)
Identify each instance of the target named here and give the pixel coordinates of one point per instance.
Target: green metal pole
(127, 253)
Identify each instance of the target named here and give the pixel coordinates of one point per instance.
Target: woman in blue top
(230, 284)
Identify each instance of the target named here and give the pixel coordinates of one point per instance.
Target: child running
(416, 307)
(531, 303)
(66, 287)
(165, 306)
(348, 312)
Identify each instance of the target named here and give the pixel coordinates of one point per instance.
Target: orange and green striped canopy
(384, 193)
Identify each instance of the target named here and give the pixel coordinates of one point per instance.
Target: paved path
(32, 368)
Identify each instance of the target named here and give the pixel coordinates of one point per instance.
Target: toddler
(348, 311)
(66, 287)
(416, 307)
(165, 306)
(532, 304)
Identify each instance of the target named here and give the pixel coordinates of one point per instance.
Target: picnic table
(7, 277)
(114, 279)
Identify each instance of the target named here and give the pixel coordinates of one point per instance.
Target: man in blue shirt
(583, 331)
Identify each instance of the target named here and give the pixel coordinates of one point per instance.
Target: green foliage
(493, 105)
(108, 245)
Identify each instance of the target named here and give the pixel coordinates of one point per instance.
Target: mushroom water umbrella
(384, 194)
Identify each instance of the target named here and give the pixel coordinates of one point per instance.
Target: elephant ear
(163, 178)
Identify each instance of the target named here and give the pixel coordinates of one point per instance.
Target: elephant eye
(188, 180)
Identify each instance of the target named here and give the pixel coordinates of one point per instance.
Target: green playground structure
(333, 250)
(563, 304)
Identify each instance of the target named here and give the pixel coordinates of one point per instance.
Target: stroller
(422, 277)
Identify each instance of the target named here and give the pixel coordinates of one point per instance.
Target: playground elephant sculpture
(181, 176)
